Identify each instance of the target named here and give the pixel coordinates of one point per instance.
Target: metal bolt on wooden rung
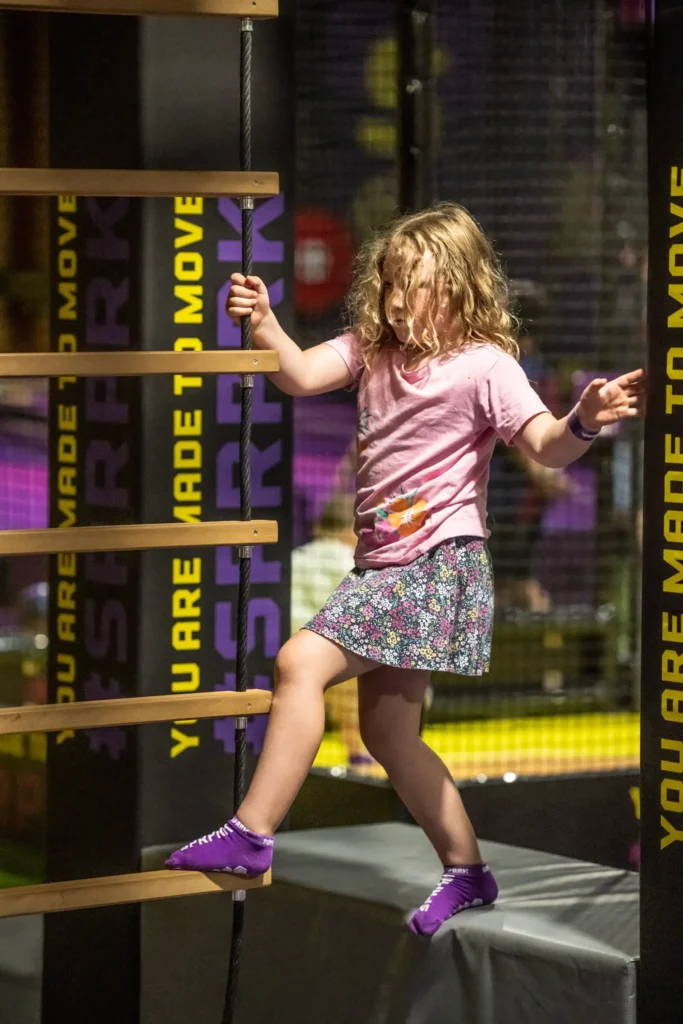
(247, 203)
(241, 722)
(239, 896)
(247, 25)
(246, 551)
(247, 381)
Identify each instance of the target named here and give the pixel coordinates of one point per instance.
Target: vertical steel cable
(245, 512)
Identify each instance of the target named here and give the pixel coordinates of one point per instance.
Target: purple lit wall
(23, 492)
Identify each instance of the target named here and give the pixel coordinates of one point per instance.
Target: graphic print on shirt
(399, 515)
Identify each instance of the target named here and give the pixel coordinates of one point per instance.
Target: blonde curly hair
(466, 274)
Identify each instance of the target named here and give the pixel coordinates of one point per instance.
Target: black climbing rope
(240, 778)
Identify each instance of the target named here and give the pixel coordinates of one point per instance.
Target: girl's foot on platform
(460, 888)
(233, 848)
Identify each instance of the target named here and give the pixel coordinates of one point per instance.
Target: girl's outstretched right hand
(248, 296)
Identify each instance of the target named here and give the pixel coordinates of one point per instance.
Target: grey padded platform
(21, 951)
(328, 943)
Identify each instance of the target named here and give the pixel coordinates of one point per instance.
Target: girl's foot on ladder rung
(233, 848)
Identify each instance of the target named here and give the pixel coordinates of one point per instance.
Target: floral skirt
(435, 613)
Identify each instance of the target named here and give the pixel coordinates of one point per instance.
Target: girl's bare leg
(306, 666)
(390, 704)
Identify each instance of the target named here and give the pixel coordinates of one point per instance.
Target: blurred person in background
(317, 570)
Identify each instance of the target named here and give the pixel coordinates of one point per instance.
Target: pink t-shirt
(425, 440)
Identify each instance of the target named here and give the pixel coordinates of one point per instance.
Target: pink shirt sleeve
(507, 398)
(347, 347)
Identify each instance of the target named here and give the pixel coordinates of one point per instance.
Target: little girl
(432, 352)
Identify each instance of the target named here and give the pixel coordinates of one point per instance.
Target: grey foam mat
(329, 943)
(21, 951)
(393, 864)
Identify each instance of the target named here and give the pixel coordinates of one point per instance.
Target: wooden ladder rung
(226, 8)
(110, 890)
(103, 714)
(136, 537)
(131, 364)
(52, 181)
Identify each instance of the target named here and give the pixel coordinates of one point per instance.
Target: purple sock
(232, 848)
(461, 887)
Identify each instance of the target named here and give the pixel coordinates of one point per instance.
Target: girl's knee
(293, 660)
(285, 663)
(310, 660)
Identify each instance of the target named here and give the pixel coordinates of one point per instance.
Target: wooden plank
(130, 364)
(111, 890)
(52, 181)
(194, 8)
(136, 537)
(101, 714)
